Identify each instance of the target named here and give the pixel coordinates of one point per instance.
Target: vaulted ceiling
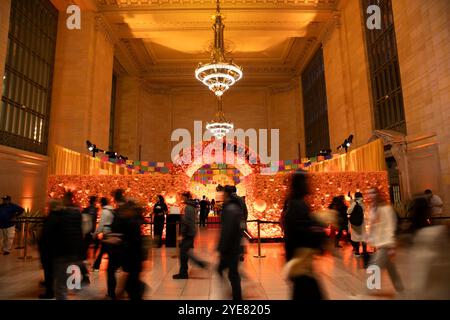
(164, 40)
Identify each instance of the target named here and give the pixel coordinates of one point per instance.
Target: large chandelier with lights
(219, 126)
(220, 74)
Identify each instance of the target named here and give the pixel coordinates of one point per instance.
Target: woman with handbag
(303, 239)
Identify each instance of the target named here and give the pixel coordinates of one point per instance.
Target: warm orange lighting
(260, 205)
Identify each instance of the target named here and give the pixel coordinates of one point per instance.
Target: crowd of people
(70, 234)
(367, 222)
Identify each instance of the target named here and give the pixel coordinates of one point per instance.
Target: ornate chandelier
(220, 74)
(219, 126)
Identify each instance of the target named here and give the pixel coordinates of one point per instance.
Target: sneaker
(357, 254)
(95, 270)
(180, 276)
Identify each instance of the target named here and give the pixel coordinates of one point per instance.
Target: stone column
(81, 97)
(5, 6)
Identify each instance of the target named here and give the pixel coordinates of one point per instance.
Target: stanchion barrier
(259, 240)
(21, 236)
(25, 244)
(25, 226)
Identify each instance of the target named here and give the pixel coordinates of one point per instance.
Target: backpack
(357, 215)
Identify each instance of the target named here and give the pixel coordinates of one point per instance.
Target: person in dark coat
(338, 204)
(63, 236)
(188, 232)
(8, 212)
(229, 245)
(204, 210)
(127, 223)
(45, 245)
(159, 212)
(303, 238)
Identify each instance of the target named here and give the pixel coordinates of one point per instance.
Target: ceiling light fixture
(220, 74)
(219, 126)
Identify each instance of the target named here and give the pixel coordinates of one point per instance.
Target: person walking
(127, 226)
(430, 255)
(383, 223)
(8, 213)
(103, 229)
(89, 223)
(64, 237)
(113, 243)
(435, 202)
(229, 245)
(304, 238)
(188, 232)
(338, 204)
(159, 212)
(204, 210)
(213, 206)
(357, 224)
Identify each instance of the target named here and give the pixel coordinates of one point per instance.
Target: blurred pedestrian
(64, 238)
(204, 210)
(103, 229)
(113, 243)
(160, 210)
(8, 213)
(127, 224)
(357, 223)
(89, 223)
(303, 239)
(430, 255)
(188, 232)
(46, 252)
(230, 239)
(383, 224)
(213, 206)
(338, 204)
(435, 202)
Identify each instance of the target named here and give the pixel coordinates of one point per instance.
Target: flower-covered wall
(265, 194)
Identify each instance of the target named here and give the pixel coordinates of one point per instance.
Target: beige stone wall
(346, 77)
(4, 27)
(423, 41)
(82, 85)
(23, 177)
(146, 117)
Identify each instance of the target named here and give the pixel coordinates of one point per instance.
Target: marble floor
(340, 273)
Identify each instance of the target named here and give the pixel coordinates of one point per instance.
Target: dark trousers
(203, 218)
(159, 227)
(134, 287)
(186, 246)
(98, 260)
(114, 262)
(356, 246)
(48, 277)
(306, 288)
(231, 262)
(339, 234)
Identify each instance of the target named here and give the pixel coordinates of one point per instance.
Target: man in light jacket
(383, 223)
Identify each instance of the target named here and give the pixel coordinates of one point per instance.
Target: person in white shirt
(382, 226)
(435, 203)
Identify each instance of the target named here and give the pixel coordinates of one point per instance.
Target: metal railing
(24, 233)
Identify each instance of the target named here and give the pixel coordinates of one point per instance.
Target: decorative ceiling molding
(102, 25)
(208, 4)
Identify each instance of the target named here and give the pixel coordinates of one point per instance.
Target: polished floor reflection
(340, 273)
